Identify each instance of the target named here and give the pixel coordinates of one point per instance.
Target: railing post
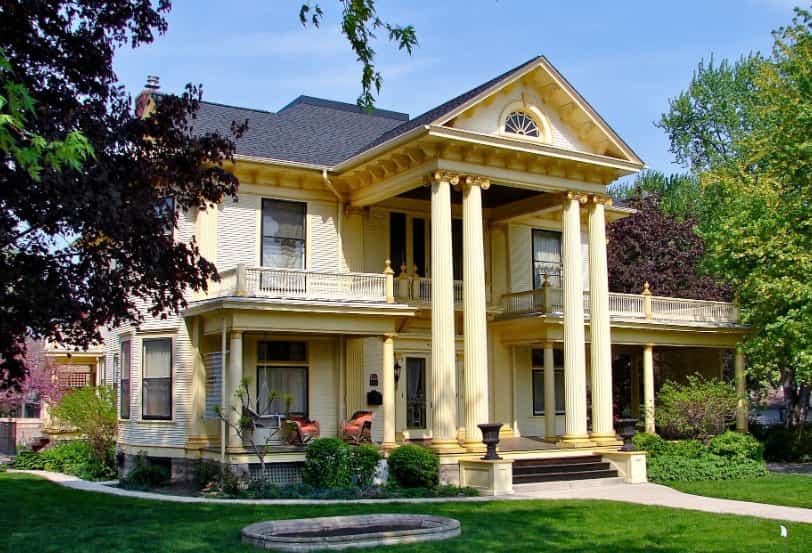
(647, 301)
(403, 283)
(390, 282)
(241, 287)
(546, 300)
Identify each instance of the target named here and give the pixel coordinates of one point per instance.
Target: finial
(388, 270)
(646, 288)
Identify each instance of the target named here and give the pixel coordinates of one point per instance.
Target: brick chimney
(144, 103)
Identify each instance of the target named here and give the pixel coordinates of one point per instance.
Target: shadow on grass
(43, 517)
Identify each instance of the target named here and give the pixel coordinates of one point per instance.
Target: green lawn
(40, 516)
(794, 490)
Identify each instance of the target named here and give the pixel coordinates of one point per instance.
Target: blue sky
(626, 58)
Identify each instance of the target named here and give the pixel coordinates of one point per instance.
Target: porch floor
(532, 443)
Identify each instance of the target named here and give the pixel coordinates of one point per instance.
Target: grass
(40, 516)
(793, 490)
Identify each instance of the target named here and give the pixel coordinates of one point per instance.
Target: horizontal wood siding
(373, 357)
(237, 232)
(323, 236)
(521, 258)
(324, 385)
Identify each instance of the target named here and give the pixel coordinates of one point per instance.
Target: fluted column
(474, 315)
(388, 370)
(599, 330)
(741, 392)
(443, 365)
(648, 387)
(574, 352)
(549, 392)
(235, 376)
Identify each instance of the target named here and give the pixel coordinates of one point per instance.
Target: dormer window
(521, 123)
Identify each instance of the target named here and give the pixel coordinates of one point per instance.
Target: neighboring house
(772, 410)
(494, 305)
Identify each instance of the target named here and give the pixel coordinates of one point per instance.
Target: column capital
(474, 180)
(235, 334)
(442, 176)
(573, 195)
(600, 199)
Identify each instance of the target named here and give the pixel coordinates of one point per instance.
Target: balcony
(549, 301)
(416, 290)
(295, 284)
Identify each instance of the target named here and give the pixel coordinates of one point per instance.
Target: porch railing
(262, 282)
(638, 306)
(417, 289)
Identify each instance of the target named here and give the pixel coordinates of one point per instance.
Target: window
(419, 245)
(32, 406)
(415, 392)
(124, 398)
(283, 234)
(156, 381)
(538, 381)
(282, 377)
(546, 258)
(165, 214)
(399, 236)
(397, 241)
(521, 123)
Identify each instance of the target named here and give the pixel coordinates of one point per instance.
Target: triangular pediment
(564, 119)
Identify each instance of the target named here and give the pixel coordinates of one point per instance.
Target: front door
(416, 393)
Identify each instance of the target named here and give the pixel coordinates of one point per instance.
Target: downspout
(223, 412)
(339, 221)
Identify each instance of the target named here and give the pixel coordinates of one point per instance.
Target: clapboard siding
(323, 236)
(237, 232)
(324, 385)
(373, 359)
(376, 240)
(521, 258)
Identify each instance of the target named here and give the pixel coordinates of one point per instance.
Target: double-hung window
(546, 258)
(156, 381)
(282, 378)
(538, 382)
(124, 395)
(283, 234)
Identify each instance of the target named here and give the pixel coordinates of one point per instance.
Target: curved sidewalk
(643, 494)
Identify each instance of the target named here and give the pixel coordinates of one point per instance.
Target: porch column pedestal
(388, 377)
(575, 433)
(474, 313)
(234, 376)
(550, 434)
(648, 387)
(443, 363)
(741, 392)
(603, 431)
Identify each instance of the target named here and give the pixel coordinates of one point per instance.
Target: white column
(474, 315)
(574, 349)
(235, 376)
(741, 392)
(549, 392)
(648, 387)
(601, 341)
(443, 366)
(388, 369)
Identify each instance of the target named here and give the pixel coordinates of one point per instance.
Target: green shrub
(28, 460)
(144, 475)
(364, 461)
(77, 458)
(3, 467)
(413, 466)
(697, 409)
(706, 467)
(735, 445)
(327, 464)
(92, 411)
(688, 449)
(783, 445)
(650, 443)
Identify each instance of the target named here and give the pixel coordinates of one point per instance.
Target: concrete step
(525, 469)
(559, 476)
(533, 487)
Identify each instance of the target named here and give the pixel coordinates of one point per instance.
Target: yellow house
(441, 271)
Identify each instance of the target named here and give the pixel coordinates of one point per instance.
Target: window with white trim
(282, 378)
(283, 234)
(521, 123)
(538, 381)
(124, 386)
(156, 379)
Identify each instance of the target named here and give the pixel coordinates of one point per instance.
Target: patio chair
(302, 430)
(358, 429)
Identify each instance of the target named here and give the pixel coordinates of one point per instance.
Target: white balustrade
(624, 306)
(419, 290)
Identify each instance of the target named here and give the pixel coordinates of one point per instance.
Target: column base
(446, 447)
(552, 439)
(389, 446)
(605, 439)
(575, 440)
(474, 447)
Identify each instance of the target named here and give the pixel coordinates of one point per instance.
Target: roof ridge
(344, 106)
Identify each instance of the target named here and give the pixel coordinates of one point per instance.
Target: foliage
(359, 23)
(657, 247)
(757, 178)
(668, 467)
(144, 475)
(776, 489)
(700, 408)
(129, 525)
(413, 466)
(650, 443)
(327, 464)
(73, 457)
(41, 381)
(265, 490)
(678, 194)
(364, 460)
(737, 445)
(784, 445)
(92, 411)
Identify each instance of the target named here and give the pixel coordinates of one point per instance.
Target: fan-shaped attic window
(521, 123)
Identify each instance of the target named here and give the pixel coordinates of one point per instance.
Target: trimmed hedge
(327, 464)
(413, 466)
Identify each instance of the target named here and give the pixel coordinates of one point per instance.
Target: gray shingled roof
(322, 132)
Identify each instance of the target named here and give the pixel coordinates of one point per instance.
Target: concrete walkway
(612, 489)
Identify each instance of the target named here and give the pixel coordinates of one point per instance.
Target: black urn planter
(490, 437)
(626, 429)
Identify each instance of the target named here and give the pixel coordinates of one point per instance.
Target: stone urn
(626, 428)
(490, 437)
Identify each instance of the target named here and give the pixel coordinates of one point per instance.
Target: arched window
(521, 123)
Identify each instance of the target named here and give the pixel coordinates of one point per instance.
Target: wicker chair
(301, 430)
(358, 429)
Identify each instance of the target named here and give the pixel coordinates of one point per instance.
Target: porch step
(584, 467)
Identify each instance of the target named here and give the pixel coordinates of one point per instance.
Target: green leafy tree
(92, 411)
(679, 195)
(757, 179)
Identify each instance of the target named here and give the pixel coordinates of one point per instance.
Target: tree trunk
(788, 386)
(803, 404)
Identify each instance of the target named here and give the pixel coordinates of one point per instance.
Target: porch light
(397, 371)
